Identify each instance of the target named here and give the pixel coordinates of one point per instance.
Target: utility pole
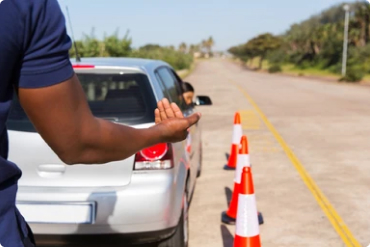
(345, 41)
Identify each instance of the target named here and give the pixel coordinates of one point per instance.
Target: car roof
(138, 63)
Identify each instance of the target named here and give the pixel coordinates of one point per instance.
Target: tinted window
(171, 85)
(125, 98)
(176, 77)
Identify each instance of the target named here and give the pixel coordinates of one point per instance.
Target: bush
(277, 56)
(275, 69)
(354, 74)
(176, 59)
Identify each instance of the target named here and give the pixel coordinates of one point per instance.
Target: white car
(143, 198)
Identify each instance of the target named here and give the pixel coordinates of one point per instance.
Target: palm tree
(210, 44)
(362, 17)
(183, 47)
(204, 44)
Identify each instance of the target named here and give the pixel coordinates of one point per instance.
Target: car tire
(181, 236)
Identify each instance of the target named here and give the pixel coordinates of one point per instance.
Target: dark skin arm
(61, 115)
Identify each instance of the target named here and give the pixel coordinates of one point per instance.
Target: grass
(367, 78)
(291, 69)
(186, 72)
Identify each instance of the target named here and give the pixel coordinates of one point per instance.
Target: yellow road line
(250, 120)
(321, 199)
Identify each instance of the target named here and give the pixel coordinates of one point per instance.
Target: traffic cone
(237, 134)
(229, 216)
(247, 227)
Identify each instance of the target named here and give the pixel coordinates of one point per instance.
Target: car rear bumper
(151, 202)
(102, 239)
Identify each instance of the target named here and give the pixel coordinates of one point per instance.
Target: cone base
(247, 241)
(228, 168)
(227, 219)
(260, 218)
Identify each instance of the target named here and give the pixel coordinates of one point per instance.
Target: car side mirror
(202, 100)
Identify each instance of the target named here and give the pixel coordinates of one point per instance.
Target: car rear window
(126, 98)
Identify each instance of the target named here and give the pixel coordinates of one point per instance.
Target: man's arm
(62, 116)
(53, 98)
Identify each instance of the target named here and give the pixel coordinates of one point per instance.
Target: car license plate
(59, 213)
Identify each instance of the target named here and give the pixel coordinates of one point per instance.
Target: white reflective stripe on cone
(243, 161)
(247, 218)
(237, 133)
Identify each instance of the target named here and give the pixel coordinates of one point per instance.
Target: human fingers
(162, 112)
(168, 109)
(157, 116)
(176, 110)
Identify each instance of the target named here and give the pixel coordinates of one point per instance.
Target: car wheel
(181, 236)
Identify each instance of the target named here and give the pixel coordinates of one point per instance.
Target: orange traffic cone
(247, 227)
(229, 216)
(237, 134)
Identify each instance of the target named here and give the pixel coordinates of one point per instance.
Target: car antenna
(78, 59)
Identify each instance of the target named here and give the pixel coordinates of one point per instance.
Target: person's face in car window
(188, 92)
(188, 97)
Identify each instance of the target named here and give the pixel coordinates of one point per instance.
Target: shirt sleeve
(45, 60)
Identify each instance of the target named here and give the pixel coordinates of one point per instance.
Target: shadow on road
(227, 155)
(228, 194)
(227, 237)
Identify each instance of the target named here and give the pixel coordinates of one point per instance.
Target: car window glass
(179, 81)
(164, 90)
(171, 85)
(126, 98)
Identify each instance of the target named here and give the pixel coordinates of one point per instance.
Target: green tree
(210, 43)
(91, 45)
(262, 45)
(183, 47)
(80, 49)
(116, 47)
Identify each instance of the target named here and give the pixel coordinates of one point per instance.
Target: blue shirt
(33, 53)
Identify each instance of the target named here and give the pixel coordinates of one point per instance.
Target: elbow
(78, 148)
(72, 155)
(81, 154)
(69, 159)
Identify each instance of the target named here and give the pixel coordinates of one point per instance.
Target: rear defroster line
(334, 218)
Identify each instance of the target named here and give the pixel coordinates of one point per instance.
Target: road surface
(298, 130)
(309, 144)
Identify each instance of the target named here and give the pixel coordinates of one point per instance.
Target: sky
(170, 22)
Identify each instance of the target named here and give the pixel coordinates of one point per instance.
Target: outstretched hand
(171, 122)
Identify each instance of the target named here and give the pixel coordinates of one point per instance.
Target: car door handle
(51, 170)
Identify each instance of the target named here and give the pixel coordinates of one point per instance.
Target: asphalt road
(316, 131)
(309, 146)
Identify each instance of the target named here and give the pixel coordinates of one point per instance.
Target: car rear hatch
(122, 95)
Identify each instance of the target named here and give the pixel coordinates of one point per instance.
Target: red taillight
(156, 152)
(157, 157)
(83, 66)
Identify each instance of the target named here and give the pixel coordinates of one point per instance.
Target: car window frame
(179, 81)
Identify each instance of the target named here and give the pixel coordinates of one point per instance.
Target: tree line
(114, 46)
(316, 43)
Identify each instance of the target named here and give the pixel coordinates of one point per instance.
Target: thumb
(193, 119)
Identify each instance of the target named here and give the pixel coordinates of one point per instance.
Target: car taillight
(157, 157)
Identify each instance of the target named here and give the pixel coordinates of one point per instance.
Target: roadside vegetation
(181, 57)
(314, 47)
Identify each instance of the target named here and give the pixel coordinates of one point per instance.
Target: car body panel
(128, 201)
